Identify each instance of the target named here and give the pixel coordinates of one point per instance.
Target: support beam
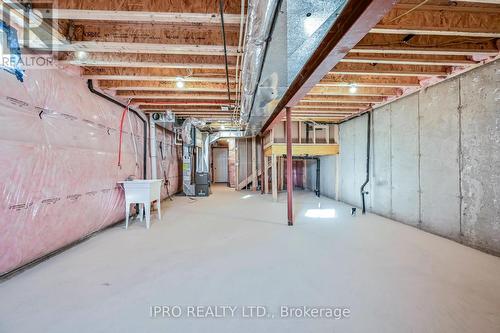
(390, 70)
(338, 80)
(353, 23)
(185, 6)
(172, 95)
(262, 166)
(145, 60)
(179, 102)
(141, 16)
(149, 77)
(274, 177)
(360, 91)
(254, 164)
(266, 173)
(289, 176)
(129, 47)
(465, 21)
(409, 59)
(164, 86)
(427, 45)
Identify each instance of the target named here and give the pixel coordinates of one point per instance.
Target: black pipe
(144, 121)
(368, 142)
(318, 174)
(221, 9)
(317, 191)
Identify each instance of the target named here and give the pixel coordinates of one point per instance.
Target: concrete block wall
(328, 167)
(435, 159)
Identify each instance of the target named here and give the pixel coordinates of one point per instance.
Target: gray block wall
(352, 159)
(435, 159)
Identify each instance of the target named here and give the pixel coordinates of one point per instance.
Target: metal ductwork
(281, 37)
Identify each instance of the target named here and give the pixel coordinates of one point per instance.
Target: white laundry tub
(142, 192)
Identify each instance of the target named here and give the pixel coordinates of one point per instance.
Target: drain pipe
(317, 191)
(144, 121)
(318, 175)
(368, 142)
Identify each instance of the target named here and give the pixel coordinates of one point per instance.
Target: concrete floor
(234, 248)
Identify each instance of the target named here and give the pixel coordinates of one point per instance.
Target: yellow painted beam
(303, 149)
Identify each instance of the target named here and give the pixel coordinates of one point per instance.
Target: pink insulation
(58, 158)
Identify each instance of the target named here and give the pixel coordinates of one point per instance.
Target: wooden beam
(429, 45)
(177, 102)
(141, 16)
(145, 60)
(441, 20)
(404, 59)
(175, 34)
(360, 91)
(355, 20)
(186, 6)
(338, 80)
(178, 72)
(127, 47)
(178, 95)
(274, 177)
(391, 70)
(163, 86)
(339, 99)
(333, 106)
(155, 108)
(155, 78)
(182, 93)
(493, 2)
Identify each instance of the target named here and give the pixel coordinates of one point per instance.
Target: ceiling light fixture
(353, 88)
(180, 82)
(81, 55)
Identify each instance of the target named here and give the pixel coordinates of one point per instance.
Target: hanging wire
(221, 9)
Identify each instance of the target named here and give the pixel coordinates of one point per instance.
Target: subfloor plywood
(234, 248)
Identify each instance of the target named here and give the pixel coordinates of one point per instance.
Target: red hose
(121, 134)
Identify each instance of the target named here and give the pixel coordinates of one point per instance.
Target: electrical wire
(409, 11)
(124, 113)
(221, 9)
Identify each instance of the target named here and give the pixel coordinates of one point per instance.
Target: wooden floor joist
(426, 45)
(163, 86)
(141, 16)
(140, 50)
(448, 20)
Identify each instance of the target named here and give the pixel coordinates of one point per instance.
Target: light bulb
(353, 88)
(180, 84)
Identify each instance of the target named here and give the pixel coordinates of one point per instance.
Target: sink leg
(147, 207)
(127, 213)
(159, 209)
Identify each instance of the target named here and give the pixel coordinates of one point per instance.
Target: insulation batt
(58, 152)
